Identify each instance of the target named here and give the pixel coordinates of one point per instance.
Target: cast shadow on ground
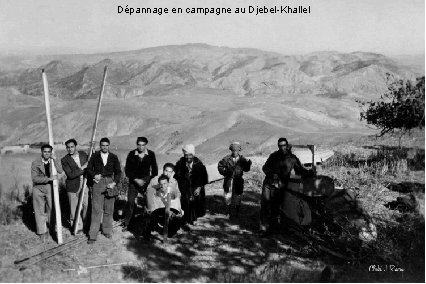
(217, 249)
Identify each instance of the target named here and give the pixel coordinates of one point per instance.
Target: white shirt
(154, 200)
(142, 154)
(104, 157)
(76, 158)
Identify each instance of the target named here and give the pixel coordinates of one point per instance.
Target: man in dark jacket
(74, 165)
(104, 168)
(232, 168)
(191, 176)
(141, 167)
(277, 170)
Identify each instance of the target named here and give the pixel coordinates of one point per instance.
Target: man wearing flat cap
(232, 167)
(191, 176)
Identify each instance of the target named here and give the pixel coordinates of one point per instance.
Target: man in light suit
(42, 189)
(74, 165)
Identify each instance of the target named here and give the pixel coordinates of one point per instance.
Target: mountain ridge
(197, 94)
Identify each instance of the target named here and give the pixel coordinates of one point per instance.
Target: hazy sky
(63, 26)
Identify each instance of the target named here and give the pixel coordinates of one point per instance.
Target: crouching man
(42, 178)
(157, 201)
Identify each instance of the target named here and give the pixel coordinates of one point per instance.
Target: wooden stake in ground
(312, 148)
(92, 146)
(53, 171)
(167, 217)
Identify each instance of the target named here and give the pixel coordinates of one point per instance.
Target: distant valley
(196, 93)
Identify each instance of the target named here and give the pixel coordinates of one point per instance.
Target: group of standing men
(184, 182)
(181, 185)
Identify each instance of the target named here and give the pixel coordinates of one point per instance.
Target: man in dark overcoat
(191, 175)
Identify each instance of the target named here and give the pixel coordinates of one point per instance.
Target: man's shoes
(44, 237)
(186, 228)
(91, 242)
(108, 236)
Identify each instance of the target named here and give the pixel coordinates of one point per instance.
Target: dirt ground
(217, 249)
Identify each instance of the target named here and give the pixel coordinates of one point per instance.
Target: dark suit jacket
(72, 171)
(145, 168)
(281, 164)
(111, 169)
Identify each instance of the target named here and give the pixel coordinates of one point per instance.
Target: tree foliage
(402, 107)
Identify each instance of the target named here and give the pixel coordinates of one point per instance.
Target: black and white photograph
(245, 141)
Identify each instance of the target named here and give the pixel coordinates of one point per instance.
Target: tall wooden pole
(92, 146)
(167, 217)
(53, 171)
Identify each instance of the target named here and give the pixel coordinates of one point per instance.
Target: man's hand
(84, 166)
(52, 178)
(111, 185)
(139, 181)
(97, 178)
(197, 191)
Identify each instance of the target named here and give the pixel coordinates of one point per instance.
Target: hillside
(193, 93)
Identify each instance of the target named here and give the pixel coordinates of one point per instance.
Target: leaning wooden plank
(53, 171)
(20, 261)
(92, 145)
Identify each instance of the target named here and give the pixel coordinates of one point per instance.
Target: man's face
(169, 172)
(141, 146)
(235, 153)
(189, 157)
(46, 153)
(163, 185)
(283, 146)
(71, 148)
(104, 147)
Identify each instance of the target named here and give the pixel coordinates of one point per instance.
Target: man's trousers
(271, 201)
(132, 193)
(42, 204)
(102, 206)
(73, 200)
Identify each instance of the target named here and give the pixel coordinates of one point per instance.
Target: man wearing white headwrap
(191, 176)
(232, 168)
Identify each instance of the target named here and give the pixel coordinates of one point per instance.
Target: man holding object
(74, 165)
(104, 168)
(42, 189)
